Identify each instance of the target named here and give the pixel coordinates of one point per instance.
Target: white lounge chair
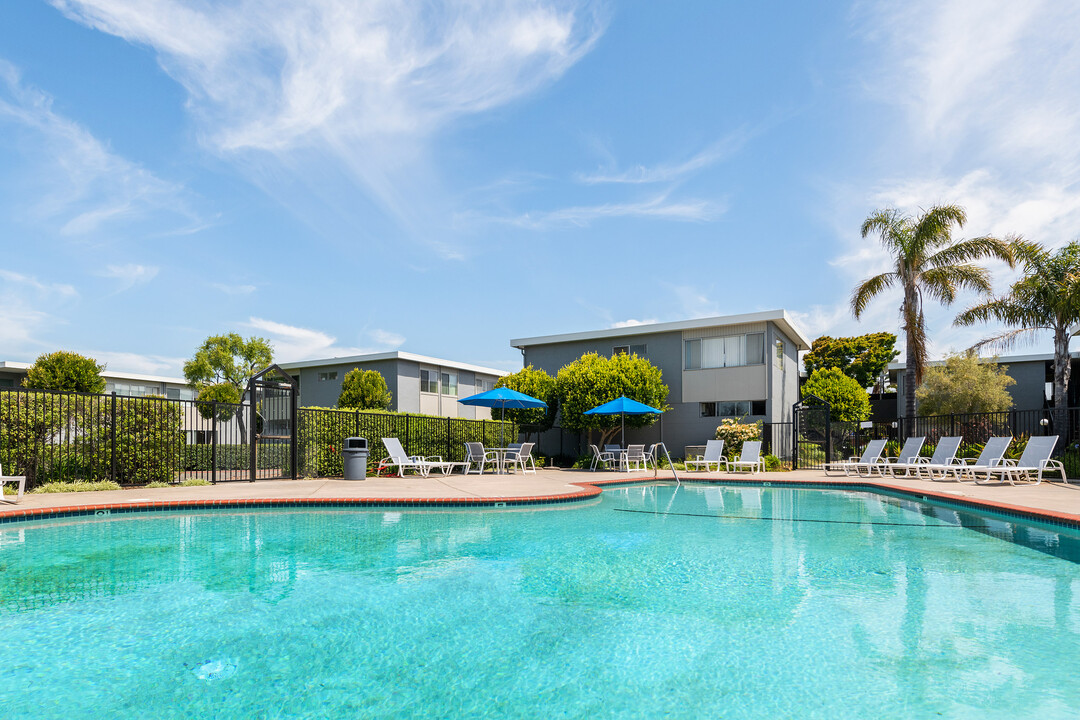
(477, 455)
(399, 459)
(868, 460)
(991, 456)
(521, 457)
(943, 459)
(714, 455)
(599, 457)
(1029, 467)
(18, 480)
(750, 459)
(903, 461)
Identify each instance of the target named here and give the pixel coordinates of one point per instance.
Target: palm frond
(868, 290)
(934, 227)
(943, 283)
(966, 251)
(1008, 339)
(1004, 310)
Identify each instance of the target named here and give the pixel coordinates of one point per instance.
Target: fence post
(357, 429)
(447, 437)
(213, 447)
(112, 439)
(407, 431)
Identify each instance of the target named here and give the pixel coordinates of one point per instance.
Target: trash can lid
(356, 443)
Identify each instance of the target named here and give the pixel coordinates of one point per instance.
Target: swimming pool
(653, 601)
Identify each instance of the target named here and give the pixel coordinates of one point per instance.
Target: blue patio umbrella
(623, 406)
(503, 397)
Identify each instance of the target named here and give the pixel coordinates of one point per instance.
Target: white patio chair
(992, 454)
(599, 457)
(714, 455)
(18, 480)
(1030, 466)
(943, 459)
(476, 454)
(403, 462)
(750, 458)
(868, 460)
(635, 456)
(903, 461)
(521, 457)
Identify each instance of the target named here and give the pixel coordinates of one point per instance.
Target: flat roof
(22, 367)
(395, 355)
(1001, 360)
(779, 317)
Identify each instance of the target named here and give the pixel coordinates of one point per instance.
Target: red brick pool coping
(589, 489)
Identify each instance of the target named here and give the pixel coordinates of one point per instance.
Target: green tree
(593, 380)
(66, 371)
(226, 360)
(539, 385)
(927, 262)
(364, 390)
(848, 401)
(965, 384)
(1046, 297)
(864, 357)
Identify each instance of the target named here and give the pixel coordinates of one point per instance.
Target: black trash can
(355, 458)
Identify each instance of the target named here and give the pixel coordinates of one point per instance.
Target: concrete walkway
(1055, 500)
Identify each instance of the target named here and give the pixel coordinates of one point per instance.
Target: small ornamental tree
(65, 371)
(964, 384)
(847, 399)
(224, 393)
(227, 360)
(863, 358)
(364, 390)
(593, 380)
(539, 385)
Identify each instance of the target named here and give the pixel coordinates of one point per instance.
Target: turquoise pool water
(702, 601)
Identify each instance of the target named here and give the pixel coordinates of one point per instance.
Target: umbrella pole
(623, 432)
(502, 425)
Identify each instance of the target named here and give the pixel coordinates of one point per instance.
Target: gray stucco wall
(325, 393)
(1029, 392)
(683, 424)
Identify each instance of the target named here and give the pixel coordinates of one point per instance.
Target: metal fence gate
(813, 438)
(272, 394)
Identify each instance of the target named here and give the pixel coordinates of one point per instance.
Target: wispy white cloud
(230, 289)
(718, 151)
(128, 276)
(138, 363)
(634, 323)
(385, 338)
(348, 93)
(292, 343)
(75, 181)
(657, 208)
(31, 309)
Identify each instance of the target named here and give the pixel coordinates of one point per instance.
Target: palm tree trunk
(1062, 371)
(912, 336)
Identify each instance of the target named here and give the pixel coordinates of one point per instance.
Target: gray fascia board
(394, 355)
(779, 317)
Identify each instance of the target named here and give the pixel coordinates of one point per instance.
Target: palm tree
(1046, 297)
(927, 263)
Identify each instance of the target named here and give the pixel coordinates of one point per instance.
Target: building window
(179, 393)
(638, 350)
(732, 351)
(132, 389)
(485, 385)
(779, 352)
(732, 408)
(332, 375)
(429, 381)
(449, 384)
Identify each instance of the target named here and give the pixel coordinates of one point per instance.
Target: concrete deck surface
(1051, 498)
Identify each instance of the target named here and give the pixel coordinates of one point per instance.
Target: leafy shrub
(775, 464)
(195, 482)
(82, 486)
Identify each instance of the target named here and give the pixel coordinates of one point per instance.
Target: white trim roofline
(1005, 360)
(779, 317)
(107, 374)
(394, 355)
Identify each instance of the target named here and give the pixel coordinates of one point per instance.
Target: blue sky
(345, 177)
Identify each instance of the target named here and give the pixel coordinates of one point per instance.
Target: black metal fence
(822, 441)
(55, 436)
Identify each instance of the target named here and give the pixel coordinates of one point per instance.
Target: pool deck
(1053, 501)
